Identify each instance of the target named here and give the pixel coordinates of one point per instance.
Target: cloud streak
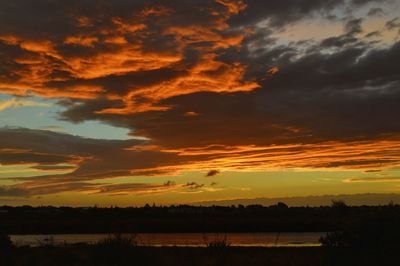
(16, 103)
(373, 180)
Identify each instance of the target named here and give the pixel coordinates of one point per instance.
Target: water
(306, 239)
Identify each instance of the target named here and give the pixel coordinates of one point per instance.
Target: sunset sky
(134, 102)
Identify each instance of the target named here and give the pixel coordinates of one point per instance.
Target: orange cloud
(121, 47)
(234, 7)
(191, 113)
(156, 11)
(363, 155)
(81, 40)
(273, 70)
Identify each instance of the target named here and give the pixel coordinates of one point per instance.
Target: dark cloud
(212, 173)
(129, 188)
(55, 146)
(373, 34)
(9, 191)
(375, 11)
(353, 26)
(194, 185)
(393, 24)
(358, 3)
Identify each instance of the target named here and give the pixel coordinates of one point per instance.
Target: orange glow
(362, 155)
(156, 11)
(81, 40)
(116, 40)
(191, 113)
(234, 7)
(9, 39)
(273, 70)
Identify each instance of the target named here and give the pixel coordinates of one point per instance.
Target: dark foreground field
(89, 255)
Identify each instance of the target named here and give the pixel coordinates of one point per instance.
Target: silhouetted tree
(339, 204)
(282, 205)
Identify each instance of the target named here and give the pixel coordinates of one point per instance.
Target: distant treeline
(185, 218)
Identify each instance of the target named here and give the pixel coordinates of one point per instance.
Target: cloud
(394, 23)
(194, 185)
(10, 191)
(24, 190)
(25, 146)
(54, 128)
(376, 11)
(212, 173)
(138, 188)
(372, 180)
(16, 103)
(29, 190)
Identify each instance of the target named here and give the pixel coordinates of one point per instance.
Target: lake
(305, 239)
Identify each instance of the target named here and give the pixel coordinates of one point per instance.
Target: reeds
(218, 241)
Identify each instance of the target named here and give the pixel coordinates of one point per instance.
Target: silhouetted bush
(376, 230)
(282, 205)
(115, 249)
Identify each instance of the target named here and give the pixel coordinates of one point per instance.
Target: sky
(174, 102)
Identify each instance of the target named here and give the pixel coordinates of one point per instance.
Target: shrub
(376, 231)
(333, 239)
(115, 249)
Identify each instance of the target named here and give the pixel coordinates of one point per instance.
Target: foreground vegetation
(121, 250)
(101, 255)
